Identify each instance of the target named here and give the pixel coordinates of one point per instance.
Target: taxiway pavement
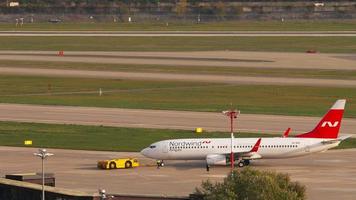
(328, 175)
(162, 119)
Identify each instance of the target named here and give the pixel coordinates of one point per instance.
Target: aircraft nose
(144, 152)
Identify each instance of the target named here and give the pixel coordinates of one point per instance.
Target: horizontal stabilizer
(339, 139)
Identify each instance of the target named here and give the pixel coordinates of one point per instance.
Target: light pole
(233, 115)
(43, 154)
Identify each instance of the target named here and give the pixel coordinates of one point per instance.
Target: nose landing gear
(160, 163)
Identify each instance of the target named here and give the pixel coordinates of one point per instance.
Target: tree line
(180, 7)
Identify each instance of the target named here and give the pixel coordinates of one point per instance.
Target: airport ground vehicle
(119, 163)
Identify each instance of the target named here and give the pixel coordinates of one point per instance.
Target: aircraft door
(165, 148)
(307, 149)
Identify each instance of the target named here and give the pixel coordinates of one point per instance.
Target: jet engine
(216, 159)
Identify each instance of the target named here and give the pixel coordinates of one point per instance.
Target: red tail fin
(329, 126)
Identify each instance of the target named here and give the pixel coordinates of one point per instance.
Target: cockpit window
(153, 146)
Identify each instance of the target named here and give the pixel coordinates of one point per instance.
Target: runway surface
(178, 77)
(328, 175)
(210, 59)
(196, 58)
(162, 119)
(180, 33)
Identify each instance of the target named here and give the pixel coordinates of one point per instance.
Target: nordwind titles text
(181, 144)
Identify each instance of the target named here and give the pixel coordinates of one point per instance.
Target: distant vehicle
(222, 151)
(119, 163)
(54, 20)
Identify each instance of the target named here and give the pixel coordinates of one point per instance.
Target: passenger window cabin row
(243, 146)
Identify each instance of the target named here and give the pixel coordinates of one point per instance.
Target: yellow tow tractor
(120, 163)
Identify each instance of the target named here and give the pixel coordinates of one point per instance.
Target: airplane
(218, 151)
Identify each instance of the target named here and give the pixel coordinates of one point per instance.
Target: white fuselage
(199, 149)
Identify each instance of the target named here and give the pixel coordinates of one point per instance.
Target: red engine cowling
(216, 159)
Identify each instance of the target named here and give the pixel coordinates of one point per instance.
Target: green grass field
(101, 138)
(277, 44)
(321, 25)
(92, 137)
(168, 95)
(216, 70)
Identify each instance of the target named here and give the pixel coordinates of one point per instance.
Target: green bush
(249, 184)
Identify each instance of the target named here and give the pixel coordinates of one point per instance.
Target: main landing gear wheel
(246, 162)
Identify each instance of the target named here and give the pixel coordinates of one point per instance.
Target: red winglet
(257, 145)
(286, 133)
